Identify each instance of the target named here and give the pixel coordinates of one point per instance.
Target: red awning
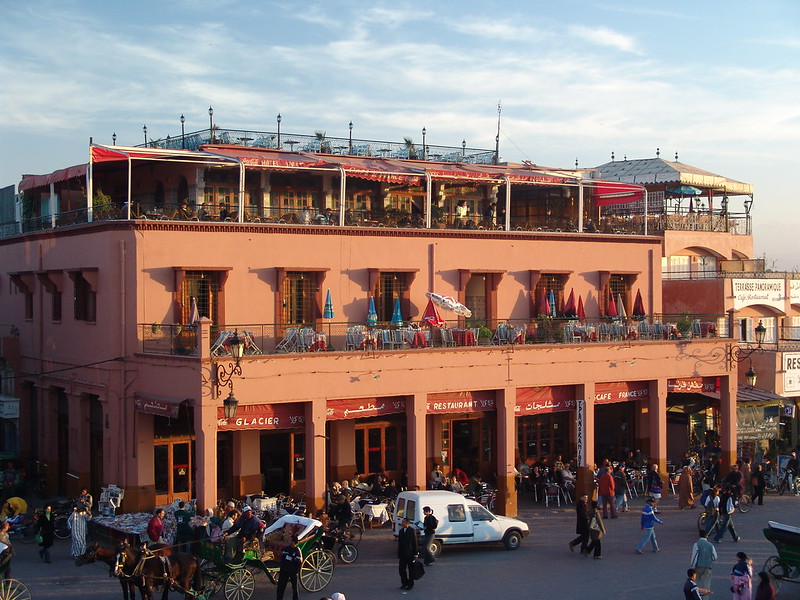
(539, 400)
(163, 406)
(374, 169)
(461, 402)
(101, 154)
(692, 385)
(608, 192)
(460, 172)
(263, 416)
(524, 176)
(33, 181)
(265, 158)
(358, 408)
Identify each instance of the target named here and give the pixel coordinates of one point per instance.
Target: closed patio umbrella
(569, 307)
(397, 315)
(638, 306)
(611, 311)
(372, 314)
(194, 314)
(544, 306)
(581, 311)
(621, 307)
(328, 312)
(552, 304)
(431, 316)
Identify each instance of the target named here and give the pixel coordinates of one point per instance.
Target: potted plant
(684, 325)
(484, 335)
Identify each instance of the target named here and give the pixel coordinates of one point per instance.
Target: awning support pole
(580, 205)
(89, 184)
(342, 191)
(130, 176)
(507, 219)
(241, 192)
(428, 186)
(644, 191)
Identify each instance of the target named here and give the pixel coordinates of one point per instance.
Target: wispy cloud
(603, 36)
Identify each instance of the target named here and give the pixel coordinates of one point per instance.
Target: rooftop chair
(220, 346)
(696, 331)
(290, 341)
(447, 337)
(250, 346)
(387, 340)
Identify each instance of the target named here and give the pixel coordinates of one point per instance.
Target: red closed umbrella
(544, 304)
(569, 307)
(611, 311)
(638, 306)
(431, 316)
(581, 311)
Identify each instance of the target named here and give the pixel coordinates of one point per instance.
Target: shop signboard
(620, 391)
(9, 407)
(461, 402)
(690, 385)
(791, 372)
(358, 408)
(794, 291)
(263, 416)
(541, 400)
(755, 423)
(580, 439)
(767, 292)
(162, 406)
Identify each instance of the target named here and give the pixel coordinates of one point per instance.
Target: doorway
(173, 467)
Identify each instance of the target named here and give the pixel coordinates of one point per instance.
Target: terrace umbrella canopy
(638, 306)
(544, 305)
(449, 303)
(621, 307)
(431, 316)
(372, 314)
(611, 311)
(397, 314)
(552, 304)
(327, 313)
(581, 311)
(569, 307)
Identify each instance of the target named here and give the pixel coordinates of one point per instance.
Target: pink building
(119, 382)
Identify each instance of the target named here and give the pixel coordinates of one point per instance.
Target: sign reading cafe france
(768, 292)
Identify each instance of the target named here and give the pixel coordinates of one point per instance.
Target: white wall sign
(768, 292)
(9, 407)
(580, 416)
(794, 291)
(791, 372)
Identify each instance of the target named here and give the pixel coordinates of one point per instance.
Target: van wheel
(436, 548)
(512, 540)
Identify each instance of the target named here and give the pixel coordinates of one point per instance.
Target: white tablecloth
(376, 511)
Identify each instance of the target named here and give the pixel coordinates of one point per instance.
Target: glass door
(173, 470)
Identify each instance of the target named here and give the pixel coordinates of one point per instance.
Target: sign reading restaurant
(791, 372)
(767, 292)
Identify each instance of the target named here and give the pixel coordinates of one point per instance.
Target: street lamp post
(350, 145)
(424, 149)
(737, 354)
(463, 148)
(114, 138)
(279, 131)
(144, 129)
(211, 124)
(183, 133)
(224, 376)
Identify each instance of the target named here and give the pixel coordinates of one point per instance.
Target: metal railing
(282, 338)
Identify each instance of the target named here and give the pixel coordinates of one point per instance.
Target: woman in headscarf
(685, 489)
(741, 577)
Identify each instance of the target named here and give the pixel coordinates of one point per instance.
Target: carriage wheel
(240, 585)
(62, 530)
(354, 533)
(776, 570)
(316, 571)
(11, 589)
(745, 503)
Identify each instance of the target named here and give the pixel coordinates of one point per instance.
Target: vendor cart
(786, 565)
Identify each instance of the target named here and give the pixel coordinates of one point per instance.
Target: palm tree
(324, 146)
(412, 149)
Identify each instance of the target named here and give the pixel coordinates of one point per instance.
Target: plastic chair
(220, 345)
(447, 337)
(350, 339)
(387, 340)
(289, 343)
(552, 492)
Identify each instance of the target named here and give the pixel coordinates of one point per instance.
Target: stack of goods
(277, 540)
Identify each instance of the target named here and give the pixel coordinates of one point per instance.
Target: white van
(461, 520)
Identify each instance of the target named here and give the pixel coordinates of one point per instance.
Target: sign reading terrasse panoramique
(768, 292)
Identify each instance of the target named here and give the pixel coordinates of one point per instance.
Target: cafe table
(464, 337)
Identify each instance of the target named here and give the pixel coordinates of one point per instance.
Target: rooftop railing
(281, 338)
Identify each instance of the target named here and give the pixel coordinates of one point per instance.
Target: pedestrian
(407, 550)
(747, 474)
(764, 591)
(726, 510)
(86, 499)
(691, 591)
(712, 509)
(429, 525)
(685, 489)
(620, 489)
(582, 524)
(183, 530)
(605, 489)
(703, 556)
(792, 467)
(6, 553)
(46, 530)
(155, 528)
(654, 486)
(759, 484)
(596, 532)
(648, 524)
(291, 559)
(741, 577)
(78, 523)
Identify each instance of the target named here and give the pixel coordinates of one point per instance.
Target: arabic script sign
(461, 402)
(539, 400)
(263, 416)
(689, 385)
(358, 408)
(157, 405)
(791, 372)
(769, 292)
(620, 391)
(755, 423)
(794, 291)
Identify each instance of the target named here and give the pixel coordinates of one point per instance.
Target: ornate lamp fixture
(224, 376)
(737, 354)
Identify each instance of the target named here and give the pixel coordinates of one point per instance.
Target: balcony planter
(484, 336)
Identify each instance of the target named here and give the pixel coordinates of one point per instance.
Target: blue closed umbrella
(328, 312)
(397, 316)
(372, 314)
(552, 304)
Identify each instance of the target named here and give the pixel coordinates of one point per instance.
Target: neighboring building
(121, 383)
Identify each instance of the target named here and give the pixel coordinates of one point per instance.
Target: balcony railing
(277, 338)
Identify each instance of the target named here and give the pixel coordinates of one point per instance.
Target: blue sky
(718, 82)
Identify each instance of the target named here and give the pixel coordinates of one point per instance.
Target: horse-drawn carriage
(236, 572)
(785, 566)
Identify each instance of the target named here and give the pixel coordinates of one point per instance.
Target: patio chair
(604, 332)
(696, 330)
(387, 340)
(570, 335)
(658, 331)
(644, 331)
(400, 338)
(500, 336)
(552, 492)
(447, 337)
(250, 346)
(305, 338)
(290, 341)
(351, 339)
(220, 346)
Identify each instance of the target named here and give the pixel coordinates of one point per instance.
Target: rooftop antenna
(497, 137)
(612, 156)
(576, 162)
(676, 156)
(658, 152)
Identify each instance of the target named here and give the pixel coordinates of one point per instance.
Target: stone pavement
(542, 568)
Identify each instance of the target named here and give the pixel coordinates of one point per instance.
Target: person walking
(291, 559)
(741, 577)
(582, 524)
(765, 590)
(691, 591)
(712, 509)
(759, 484)
(46, 531)
(703, 556)
(429, 525)
(685, 489)
(183, 530)
(726, 510)
(620, 489)
(78, 523)
(7, 553)
(407, 550)
(605, 489)
(648, 523)
(792, 467)
(654, 486)
(596, 532)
